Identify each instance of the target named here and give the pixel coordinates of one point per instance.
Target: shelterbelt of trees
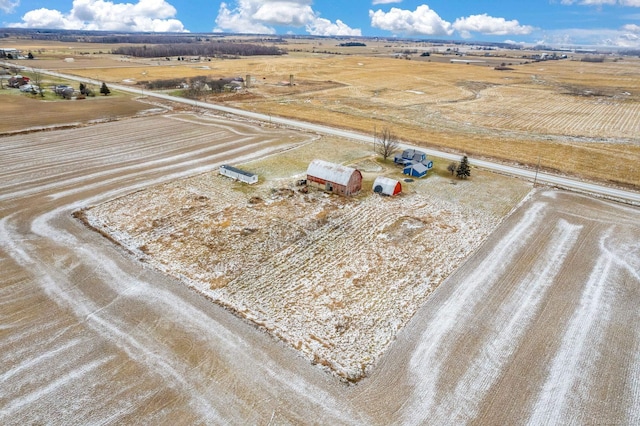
(215, 48)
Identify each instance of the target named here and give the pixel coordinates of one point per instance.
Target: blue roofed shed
(416, 170)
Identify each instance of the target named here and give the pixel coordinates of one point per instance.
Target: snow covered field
(335, 277)
(539, 325)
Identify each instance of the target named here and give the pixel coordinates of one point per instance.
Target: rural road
(631, 197)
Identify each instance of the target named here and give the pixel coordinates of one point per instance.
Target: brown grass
(538, 112)
(22, 112)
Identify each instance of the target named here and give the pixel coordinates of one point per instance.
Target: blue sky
(614, 23)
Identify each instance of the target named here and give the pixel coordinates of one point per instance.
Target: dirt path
(540, 326)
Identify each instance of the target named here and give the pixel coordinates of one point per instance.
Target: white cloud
(422, 21)
(145, 15)
(8, 5)
(629, 3)
(385, 1)
(238, 21)
(632, 28)
(489, 25)
(589, 2)
(624, 38)
(324, 27)
(260, 16)
(285, 13)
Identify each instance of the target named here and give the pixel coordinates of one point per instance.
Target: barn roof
(388, 185)
(331, 172)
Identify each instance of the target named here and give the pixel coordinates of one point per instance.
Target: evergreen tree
(464, 171)
(30, 55)
(82, 88)
(104, 89)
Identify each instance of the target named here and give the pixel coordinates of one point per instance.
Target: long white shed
(238, 174)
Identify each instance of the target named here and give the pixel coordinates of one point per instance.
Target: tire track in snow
(76, 374)
(572, 368)
(432, 353)
(509, 326)
(146, 352)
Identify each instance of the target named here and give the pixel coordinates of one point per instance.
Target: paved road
(632, 197)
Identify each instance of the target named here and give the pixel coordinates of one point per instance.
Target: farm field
(334, 277)
(36, 114)
(572, 117)
(538, 325)
(204, 301)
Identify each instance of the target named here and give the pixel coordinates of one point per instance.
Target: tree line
(193, 49)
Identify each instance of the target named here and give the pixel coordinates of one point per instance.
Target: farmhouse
(386, 186)
(334, 177)
(415, 163)
(238, 174)
(409, 156)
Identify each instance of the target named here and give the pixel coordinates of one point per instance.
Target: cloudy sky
(553, 22)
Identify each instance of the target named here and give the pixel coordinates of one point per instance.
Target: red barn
(334, 177)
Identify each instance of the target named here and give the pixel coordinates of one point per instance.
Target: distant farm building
(386, 186)
(335, 178)
(238, 174)
(9, 52)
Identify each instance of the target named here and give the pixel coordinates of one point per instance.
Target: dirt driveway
(540, 326)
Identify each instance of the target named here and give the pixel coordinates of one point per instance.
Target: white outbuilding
(386, 186)
(238, 174)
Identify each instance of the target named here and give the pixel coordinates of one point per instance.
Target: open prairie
(539, 324)
(569, 116)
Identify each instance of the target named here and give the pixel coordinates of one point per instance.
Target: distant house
(416, 170)
(335, 178)
(386, 186)
(5, 52)
(238, 174)
(18, 80)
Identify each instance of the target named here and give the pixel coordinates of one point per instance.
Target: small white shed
(386, 186)
(238, 174)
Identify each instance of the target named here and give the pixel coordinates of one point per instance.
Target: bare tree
(385, 143)
(452, 167)
(36, 80)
